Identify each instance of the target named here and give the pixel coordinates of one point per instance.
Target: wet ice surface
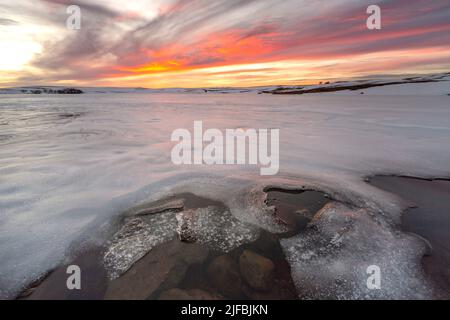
(331, 259)
(219, 230)
(65, 179)
(135, 239)
(215, 228)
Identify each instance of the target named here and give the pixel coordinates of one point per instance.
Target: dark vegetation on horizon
(52, 91)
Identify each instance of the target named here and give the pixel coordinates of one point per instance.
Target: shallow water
(172, 264)
(429, 217)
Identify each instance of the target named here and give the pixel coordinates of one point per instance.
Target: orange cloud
(249, 42)
(219, 49)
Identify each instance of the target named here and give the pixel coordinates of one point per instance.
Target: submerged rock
(223, 272)
(279, 290)
(175, 294)
(211, 227)
(192, 294)
(199, 294)
(164, 267)
(214, 228)
(256, 270)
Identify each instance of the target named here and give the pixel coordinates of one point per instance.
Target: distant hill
(376, 85)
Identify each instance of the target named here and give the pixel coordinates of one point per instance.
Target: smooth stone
(280, 290)
(199, 294)
(175, 294)
(223, 273)
(163, 267)
(192, 294)
(256, 270)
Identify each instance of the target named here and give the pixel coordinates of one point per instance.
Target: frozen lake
(69, 164)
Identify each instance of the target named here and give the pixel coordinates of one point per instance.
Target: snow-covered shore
(431, 84)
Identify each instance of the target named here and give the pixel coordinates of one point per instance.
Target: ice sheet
(70, 164)
(331, 259)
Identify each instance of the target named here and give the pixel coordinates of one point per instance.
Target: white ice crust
(69, 165)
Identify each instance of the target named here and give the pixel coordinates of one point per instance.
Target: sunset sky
(207, 43)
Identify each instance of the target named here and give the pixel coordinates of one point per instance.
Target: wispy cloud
(175, 39)
(7, 22)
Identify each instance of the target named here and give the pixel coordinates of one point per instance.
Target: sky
(214, 43)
